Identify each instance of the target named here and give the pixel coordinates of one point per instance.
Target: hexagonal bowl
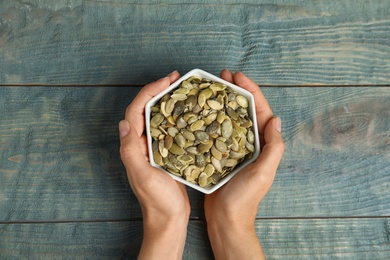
(252, 116)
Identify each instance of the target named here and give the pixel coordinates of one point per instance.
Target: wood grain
(63, 191)
(129, 42)
(281, 239)
(59, 154)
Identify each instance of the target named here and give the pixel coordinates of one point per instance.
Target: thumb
(259, 176)
(130, 149)
(274, 146)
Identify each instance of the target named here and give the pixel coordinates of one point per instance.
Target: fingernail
(124, 128)
(278, 124)
(173, 72)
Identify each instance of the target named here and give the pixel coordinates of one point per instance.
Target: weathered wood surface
(128, 42)
(281, 239)
(59, 154)
(63, 191)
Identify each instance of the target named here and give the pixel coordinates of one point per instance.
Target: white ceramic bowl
(252, 116)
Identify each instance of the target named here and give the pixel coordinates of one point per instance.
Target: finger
(263, 109)
(173, 76)
(227, 75)
(152, 89)
(266, 165)
(130, 148)
(135, 111)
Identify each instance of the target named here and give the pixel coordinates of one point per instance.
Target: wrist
(160, 224)
(234, 240)
(164, 238)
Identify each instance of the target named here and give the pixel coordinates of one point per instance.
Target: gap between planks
(141, 85)
(61, 221)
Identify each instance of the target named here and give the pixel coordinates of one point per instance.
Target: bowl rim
(252, 116)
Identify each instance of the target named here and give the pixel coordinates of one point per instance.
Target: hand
(164, 202)
(231, 210)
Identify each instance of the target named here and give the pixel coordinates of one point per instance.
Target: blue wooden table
(68, 69)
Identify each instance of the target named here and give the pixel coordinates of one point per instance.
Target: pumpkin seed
(155, 146)
(196, 125)
(231, 96)
(190, 118)
(227, 128)
(214, 104)
(213, 128)
(155, 133)
(235, 146)
(209, 169)
(236, 155)
(180, 97)
(193, 92)
(172, 131)
(185, 159)
(195, 173)
(158, 158)
(217, 164)
(175, 149)
(250, 137)
(171, 121)
(197, 108)
(191, 101)
(154, 110)
(182, 91)
(170, 105)
(192, 150)
(215, 178)
(188, 135)
(172, 159)
(242, 112)
(220, 145)
(242, 101)
(232, 113)
(178, 108)
(201, 137)
(217, 86)
(161, 148)
(250, 147)
(156, 120)
(203, 179)
(233, 105)
(212, 116)
(204, 85)
(216, 153)
(199, 160)
(186, 84)
(204, 95)
(162, 108)
(168, 141)
(202, 148)
(180, 122)
(246, 123)
(221, 116)
(180, 140)
(231, 162)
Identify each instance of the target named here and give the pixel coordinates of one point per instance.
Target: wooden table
(68, 69)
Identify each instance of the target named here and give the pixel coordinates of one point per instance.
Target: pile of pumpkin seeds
(201, 131)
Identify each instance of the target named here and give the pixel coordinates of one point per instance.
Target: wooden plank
(325, 238)
(281, 239)
(122, 42)
(59, 154)
(337, 150)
